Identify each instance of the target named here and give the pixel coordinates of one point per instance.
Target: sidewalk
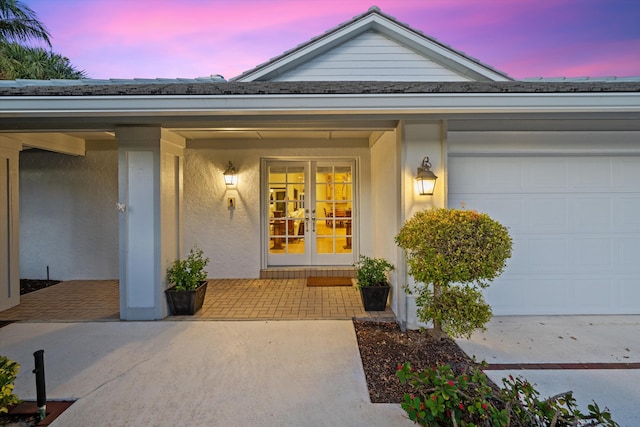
(257, 373)
(550, 341)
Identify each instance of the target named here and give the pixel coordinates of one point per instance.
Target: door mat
(329, 281)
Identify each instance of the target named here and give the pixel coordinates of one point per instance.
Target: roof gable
(369, 47)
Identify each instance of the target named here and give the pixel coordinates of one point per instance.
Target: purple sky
(197, 38)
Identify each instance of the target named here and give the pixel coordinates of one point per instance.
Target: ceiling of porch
(74, 140)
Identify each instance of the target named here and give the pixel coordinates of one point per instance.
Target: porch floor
(226, 299)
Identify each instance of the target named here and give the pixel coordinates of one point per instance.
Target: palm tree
(19, 23)
(22, 62)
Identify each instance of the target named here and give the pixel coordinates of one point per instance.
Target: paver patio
(226, 299)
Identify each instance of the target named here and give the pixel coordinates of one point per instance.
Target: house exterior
(106, 179)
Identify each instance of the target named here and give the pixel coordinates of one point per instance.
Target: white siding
(371, 56)
(574, 223)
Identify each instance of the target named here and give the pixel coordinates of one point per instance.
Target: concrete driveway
(607, 347)
(200, 373)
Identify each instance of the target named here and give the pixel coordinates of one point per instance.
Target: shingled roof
(315, 88)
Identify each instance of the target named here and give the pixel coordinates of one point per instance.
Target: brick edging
(551, 366)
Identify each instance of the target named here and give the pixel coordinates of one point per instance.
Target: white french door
(309, 212)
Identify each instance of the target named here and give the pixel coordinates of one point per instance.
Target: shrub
(454, 254)
(187, 273)
(8, 372)
(372, 271)
(441, 398)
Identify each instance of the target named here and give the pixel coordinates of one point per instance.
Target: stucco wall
(231, 238)
(68, 219)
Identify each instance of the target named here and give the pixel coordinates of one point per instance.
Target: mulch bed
(25, 414)
(383, 346)
(31, 285)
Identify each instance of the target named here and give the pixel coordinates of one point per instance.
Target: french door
(309, 212)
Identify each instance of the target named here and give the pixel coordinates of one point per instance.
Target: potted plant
(373, 282)
(189, 283)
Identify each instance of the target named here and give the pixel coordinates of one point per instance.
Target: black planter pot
(374, 298)
(182, 303)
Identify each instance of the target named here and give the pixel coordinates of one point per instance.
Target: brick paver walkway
(72, 300)
(226, 299)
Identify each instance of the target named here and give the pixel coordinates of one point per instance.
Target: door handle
(313, 219)
(306, 219)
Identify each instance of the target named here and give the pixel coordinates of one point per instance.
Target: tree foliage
(19, 23)
(21, 62)
(8, 372)
(457, 252)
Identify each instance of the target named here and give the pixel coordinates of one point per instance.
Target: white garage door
(575, 222)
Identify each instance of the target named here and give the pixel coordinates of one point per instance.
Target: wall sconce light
(230, 175)
(425, 180)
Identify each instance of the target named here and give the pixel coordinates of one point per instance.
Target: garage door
(575, 222)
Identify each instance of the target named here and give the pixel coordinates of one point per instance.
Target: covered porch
(226, 299)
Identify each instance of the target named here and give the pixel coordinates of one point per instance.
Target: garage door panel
(505, 296)
(547, 294)
(592, 214)
(590, 173)
(592, 295)
(501, 174)
(542, 177)
(626, 212)
(629, 294)
(575, 224)
(548, 254)
(627, 255)
(545, 214)
(626, 172)
(591, 254)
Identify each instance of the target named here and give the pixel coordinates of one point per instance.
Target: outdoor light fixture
(425, 180)
(230, 175)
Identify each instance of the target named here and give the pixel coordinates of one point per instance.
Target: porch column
(150, 167)
(9, 223)
(419, 139)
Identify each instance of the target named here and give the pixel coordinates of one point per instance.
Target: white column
(9, 223)
(419, 139)
(150, 167)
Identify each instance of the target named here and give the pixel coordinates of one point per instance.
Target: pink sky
(197, 38)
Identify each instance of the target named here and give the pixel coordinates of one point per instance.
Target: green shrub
(186, 274)
(454, 253)
(8, 372)
(372, 271)
(441, 398)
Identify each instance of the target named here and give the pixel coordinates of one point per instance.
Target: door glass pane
(334, 201)
(286, 211)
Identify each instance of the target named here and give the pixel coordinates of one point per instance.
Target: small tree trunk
(437, 325)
